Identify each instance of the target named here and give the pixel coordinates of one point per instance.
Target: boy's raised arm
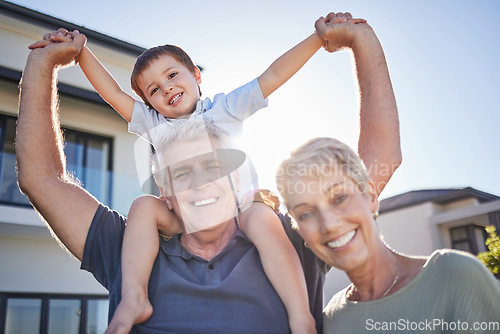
(96, 73)
(105, 84)
(288, 64)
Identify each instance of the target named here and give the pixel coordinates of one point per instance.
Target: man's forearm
(38, 139)
(39, 149)
(379, 141)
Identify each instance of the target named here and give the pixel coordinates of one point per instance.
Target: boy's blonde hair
(145, 59)
(320, 157)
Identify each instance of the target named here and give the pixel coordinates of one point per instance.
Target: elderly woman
(327, 191)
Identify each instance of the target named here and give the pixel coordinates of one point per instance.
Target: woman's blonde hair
(321, 157)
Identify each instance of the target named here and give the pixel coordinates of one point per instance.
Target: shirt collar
(201, 107)
(173, 247)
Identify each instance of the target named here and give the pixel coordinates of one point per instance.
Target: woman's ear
(373, 198)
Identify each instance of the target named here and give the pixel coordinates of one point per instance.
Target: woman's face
(335, 218)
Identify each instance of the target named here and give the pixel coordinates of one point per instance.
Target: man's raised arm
(66, 207)
(379, 143)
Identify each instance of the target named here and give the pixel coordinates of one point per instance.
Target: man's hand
(61, 47)
(338, 30)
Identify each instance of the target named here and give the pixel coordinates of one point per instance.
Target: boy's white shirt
(227, 111)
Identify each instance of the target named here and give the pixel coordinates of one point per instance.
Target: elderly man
(225, 289)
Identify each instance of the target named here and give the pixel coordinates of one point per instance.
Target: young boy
(168, 82)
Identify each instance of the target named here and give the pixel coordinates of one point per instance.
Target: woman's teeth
(341, 241)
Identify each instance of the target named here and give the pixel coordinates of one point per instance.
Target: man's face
(198, 185)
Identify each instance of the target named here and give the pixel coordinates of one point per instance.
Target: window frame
(470, 237)
(85, 136)
(45, 308)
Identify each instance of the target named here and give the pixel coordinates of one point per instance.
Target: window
(23, 316)
(88, 158)
(469, 238)
(64, 316)
(9, 191)
(54, 314)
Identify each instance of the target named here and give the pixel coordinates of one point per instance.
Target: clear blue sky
(443, 57)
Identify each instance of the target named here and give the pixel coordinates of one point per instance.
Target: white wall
(40, 265)
(409, 231)
(30, 259)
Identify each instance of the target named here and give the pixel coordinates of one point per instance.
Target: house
(419, 222)
(43, 290)
(40, 284)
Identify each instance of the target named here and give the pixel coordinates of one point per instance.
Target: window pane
(9, 191)
(74, 150)
(462, 245)
(97, 316)
(458, 233)
(88, 158)
(23, 316)
(64, 316)
(480, 239)
(97, 178)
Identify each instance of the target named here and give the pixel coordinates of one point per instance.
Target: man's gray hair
(186, 131)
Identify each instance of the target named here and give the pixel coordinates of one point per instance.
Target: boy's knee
(146, 204)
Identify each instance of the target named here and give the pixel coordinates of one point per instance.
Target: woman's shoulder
(457, 264)
(445, 257)
(337, 303)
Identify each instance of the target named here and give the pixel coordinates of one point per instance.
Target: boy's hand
(57, 36)
(338, 30)
(60, 47)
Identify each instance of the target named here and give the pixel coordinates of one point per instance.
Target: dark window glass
(64, 316)
(469, 238)
(9, 191)
(23, 316)
(53, 314)
(88, 158)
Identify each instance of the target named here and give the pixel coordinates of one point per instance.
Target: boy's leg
(147, 215)
(281, 263)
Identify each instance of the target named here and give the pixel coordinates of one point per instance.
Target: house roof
(438, 196)
(50, 22)
(35, 17)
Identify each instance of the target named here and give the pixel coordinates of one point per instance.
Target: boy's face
(170, 87)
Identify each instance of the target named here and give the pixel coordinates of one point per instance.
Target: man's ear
(165, 198)
(236, 180)
(169, 204)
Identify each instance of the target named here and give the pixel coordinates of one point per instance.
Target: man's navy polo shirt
(228, 294)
